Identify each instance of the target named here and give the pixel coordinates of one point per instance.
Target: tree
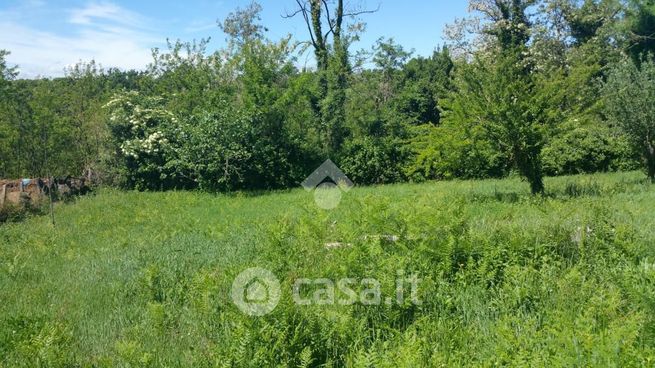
(499, 90)
(216, 122)
(6, 73)
(265, 76)
(629, 93)
(83, 97)
(325, 19)
(242, 26)
(640, 21)
(389, 58)
(189, 78)
(580, 21)
(425, 81)
(7, 113)
(506, 21)
(497, 94)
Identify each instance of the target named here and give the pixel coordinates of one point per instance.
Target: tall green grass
(143, 279)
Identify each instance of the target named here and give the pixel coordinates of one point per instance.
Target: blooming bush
(145, 134)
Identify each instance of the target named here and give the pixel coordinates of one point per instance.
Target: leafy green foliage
(502, 97)
(586, 20)
(6, 73)
(6, 110)
(629, 92)
(568, 282)
(425, 82)
(58, 127)
(640, 24)
(374, 161)
(508, 21)
(238, 141)
(144, 131)
(454, 151)
(247, 118)
(587, 148)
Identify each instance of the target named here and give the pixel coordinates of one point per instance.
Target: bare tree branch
(362, 12)
(302, 9)
(329, 19)
(292, 15)
(311, 11)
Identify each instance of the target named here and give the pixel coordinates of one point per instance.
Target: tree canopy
(532, 87)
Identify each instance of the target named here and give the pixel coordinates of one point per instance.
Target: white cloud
(105, 11)
(105, 32)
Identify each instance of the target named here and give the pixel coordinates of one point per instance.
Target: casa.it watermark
(257, 292)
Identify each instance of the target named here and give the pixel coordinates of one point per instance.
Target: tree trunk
(332, 68)
(320, 47)
(529, 165)
(650, 161)
(537, 185)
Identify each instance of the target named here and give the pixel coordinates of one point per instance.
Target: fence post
(3, 195)
(52, 206)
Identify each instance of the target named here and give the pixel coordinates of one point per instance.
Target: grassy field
(144, 279)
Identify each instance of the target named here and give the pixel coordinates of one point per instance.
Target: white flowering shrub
(219, 150)
(232, 134)
(143, 131)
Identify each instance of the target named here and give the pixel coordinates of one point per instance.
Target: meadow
(129, 279)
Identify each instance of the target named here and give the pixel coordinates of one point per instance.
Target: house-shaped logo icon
(327, 182)
(328, 170)
(256, 292)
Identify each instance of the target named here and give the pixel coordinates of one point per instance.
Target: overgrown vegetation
(143, 279)
(535, 87)
(557, 273)
(630, 91)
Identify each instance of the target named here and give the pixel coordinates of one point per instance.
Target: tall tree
(6, 73)
(325, 19)
(499, 90)
(496, 94)
(425, 82)
(187, 76)
(242, 26)
(506, 21)
(7, 112)
(580, 21)
(630, 91)
(84, 95)
(640, 28)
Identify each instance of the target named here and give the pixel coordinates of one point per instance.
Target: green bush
(449, 152)
(587, 149)
(144, 135)
(368, 161)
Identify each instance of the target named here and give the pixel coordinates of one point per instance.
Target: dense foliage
(524, 89)
(523, 86)
(630, 91)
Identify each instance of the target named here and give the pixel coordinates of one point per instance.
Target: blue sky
(46, 36)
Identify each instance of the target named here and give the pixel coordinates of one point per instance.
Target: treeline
(536, 87)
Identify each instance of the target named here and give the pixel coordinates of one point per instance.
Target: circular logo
(327, 196)
(256, 292)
